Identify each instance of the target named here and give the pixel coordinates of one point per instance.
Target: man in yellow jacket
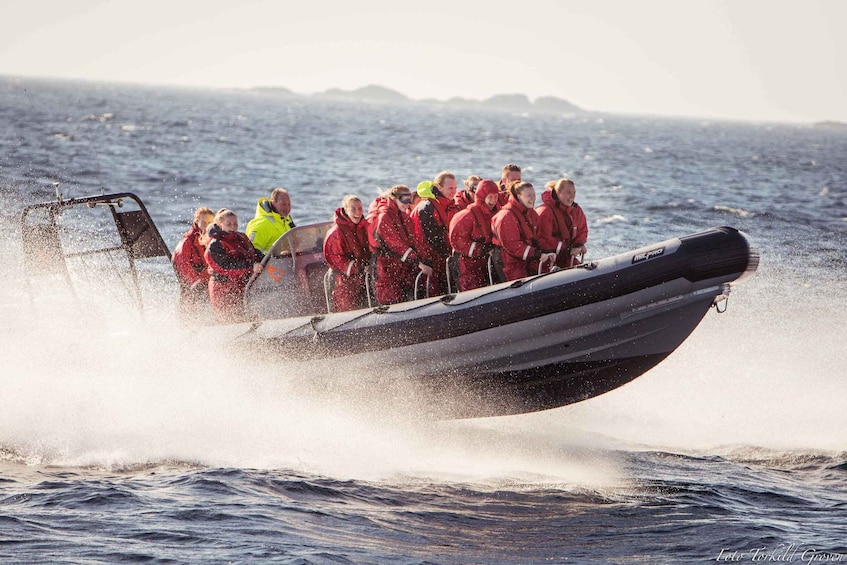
(272, 219)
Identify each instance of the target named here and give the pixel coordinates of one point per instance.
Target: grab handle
(417, 283)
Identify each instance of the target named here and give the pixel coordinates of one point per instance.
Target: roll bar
(45, 254)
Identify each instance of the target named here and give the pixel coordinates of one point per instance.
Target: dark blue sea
(130, 439)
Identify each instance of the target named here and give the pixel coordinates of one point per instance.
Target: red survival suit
(515, 230)
(503, 197)
(561, 228)
(580, 227)
(556, 229)
(431, 218)
(463, 199)
(470, 236)
(230, 256)
(191, 270)
(347, 253)
(373, 215)
(397, 257)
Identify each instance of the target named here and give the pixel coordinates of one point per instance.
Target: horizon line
(580, 109)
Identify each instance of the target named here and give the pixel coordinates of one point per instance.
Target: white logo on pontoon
(648, 255)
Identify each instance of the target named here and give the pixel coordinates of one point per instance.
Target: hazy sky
(737, 59)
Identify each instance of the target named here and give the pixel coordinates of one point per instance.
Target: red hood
(462, 198)
(217, 233)
(341, 218)
(515, 204)
(484, 188)
(386, 205)
(193, 231)
(547, 197)
(550, 199)
(373, 209)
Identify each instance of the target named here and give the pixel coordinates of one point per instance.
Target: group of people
(404, 233)
(214, 261)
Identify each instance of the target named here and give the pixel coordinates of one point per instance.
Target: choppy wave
(676, 506)
(734, 211)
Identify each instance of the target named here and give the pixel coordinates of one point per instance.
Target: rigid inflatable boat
(533, 344)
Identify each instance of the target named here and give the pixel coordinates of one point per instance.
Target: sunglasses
(405, 198)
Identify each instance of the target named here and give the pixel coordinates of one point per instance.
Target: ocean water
(130, 439)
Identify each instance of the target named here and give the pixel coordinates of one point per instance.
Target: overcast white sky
(782, 60)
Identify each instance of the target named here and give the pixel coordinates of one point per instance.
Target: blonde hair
(347, 200)
(471, 180)
(396, 191)
(556, 185)
(278, 191)
(223, 213)
(510, 168)
(200, 212)
(439, 179)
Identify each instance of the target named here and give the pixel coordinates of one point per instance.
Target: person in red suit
(562, 226)
(470, 236)
(398, 259)
(373, 214)
(232, 260)
(465, 197)
(431, 219)
(347, 253)
(190, 265)
(515, 231)
(579, 235)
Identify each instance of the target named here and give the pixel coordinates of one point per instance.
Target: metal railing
(368, 282)
(417, 284)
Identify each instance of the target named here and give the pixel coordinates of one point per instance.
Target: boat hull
(535, 344)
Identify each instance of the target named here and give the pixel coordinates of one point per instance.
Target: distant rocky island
(376, 93)
(830, 124)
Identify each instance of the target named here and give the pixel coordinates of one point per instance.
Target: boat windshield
(302, 240)
(292, 281)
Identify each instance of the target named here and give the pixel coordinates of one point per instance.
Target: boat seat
(312, 279)
(451, 268)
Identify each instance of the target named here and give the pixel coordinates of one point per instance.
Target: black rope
(446, 299)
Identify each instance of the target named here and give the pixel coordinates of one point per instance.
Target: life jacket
(527, 223)
(372, 217)
(462, 200)
(484, 189)
(503, 196)
(580, 224)
(230, 255)
(267, 226)
(396, 240)
(482, 217)
(431, 219)
(470, 230)
(188, 260)
(346, 248)
(554, 214)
